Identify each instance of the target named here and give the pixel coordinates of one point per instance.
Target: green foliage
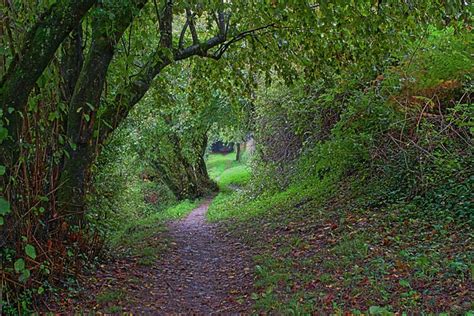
(371, 158)
(30, 251)
(4, 209)
(19, 265)
(4, 206)
(439, 56)
(300, 75)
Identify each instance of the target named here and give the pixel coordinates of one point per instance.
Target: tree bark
(40, 45)
(71, 63)
(237, 152)
(84, 106)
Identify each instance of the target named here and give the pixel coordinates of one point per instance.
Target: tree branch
(223, 48)
(220, 20)
(192, 27)
(158, 60)
(166, 25)
(181, 36)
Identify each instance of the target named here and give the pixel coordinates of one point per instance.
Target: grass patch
(218, 163)
(242, 207)
(229, 174)
(144, 238)
(350, 249)
(109, 296)
(332, 255)
(237, 175)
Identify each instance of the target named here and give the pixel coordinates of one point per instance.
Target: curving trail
(204, 271)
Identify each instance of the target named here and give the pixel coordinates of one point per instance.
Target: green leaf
(377, 310)
(30, 251)
(404, 283)
(3, 134)
(4, 206)
(53, 116)
(25, 275)
(40, 290)
(19, 265)
(1, 220)
(2, 170)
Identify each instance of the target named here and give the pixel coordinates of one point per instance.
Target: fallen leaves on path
(203, 271)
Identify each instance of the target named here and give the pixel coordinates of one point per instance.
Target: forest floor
(202, 270)
(297, 256)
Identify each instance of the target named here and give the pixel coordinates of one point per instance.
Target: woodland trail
(204, 271)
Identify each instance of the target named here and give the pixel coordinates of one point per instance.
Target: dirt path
(203, 272)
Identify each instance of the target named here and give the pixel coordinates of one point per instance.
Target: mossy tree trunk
(237, 152)
(186, 177)
(71, 63)
(39, 47)
(84, 104)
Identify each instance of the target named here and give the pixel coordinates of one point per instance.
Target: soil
(203, 271)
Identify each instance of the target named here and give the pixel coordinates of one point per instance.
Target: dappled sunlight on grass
(229, 174)
(218, 163)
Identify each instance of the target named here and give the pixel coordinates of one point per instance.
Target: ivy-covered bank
(370, 208)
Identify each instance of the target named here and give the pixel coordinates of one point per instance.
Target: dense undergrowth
(371, 207)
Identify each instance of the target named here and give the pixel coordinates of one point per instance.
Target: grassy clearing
(218, 163)
(228, 174)
(240, 207)
(237, 176)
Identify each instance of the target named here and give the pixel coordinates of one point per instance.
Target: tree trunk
(74, 182)
(84, 106)
(237, 152)
(40, 45)
(186, 179)
(207, 185)
(71, 63)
